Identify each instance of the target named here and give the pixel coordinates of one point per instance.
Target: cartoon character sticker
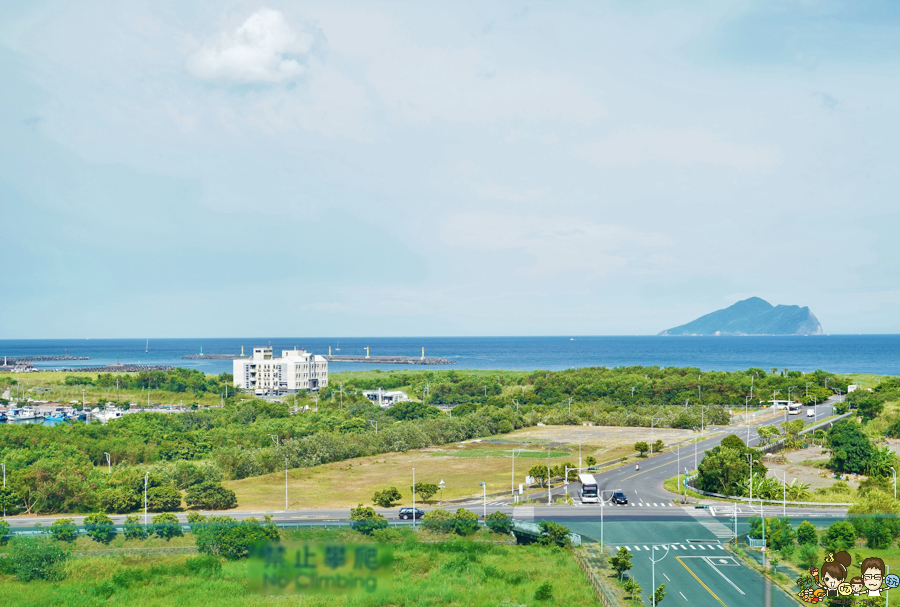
(834, 572)
(832, 580)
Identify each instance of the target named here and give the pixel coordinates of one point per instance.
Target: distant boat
(147, 347)
(571, 339)
(338, 349)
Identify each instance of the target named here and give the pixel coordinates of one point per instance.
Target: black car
(619, 498)
(408, 513)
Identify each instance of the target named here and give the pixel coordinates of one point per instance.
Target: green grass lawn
(425, 573)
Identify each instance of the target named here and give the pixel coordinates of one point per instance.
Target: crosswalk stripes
(715, 527)
(644, 547)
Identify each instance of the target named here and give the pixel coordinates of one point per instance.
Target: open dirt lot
(816, 477)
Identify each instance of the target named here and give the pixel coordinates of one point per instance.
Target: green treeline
(64, 468)
(173, 380)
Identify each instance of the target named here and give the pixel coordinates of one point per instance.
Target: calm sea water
(836, 353)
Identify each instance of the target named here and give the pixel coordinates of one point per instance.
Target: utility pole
(653, 421)
(146, 479)
(374, 423)
(414, 498)
(108, 462)
(548, 478)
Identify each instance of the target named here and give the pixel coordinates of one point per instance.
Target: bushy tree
(726, 471)
(591, 461)
(100, 528)
(809, 556)
(779, 533)
(659, 594)
(850, 448)
(36, 559)
(641, 447)
(386, 497)
(134, 530)
(64, 530)
(210, 496)
(166, 526)
(413, 410)
(658, 446)
(365, 520)
(554, 534)
(499, 522)
(465, 522)
(621, 562)
(733, 442)
(841, 535)
(425, 491)
(806, 534)
(540, 473)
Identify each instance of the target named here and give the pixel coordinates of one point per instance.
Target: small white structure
(852, 388)
(295, 370)
(386, 398)
(780, 404)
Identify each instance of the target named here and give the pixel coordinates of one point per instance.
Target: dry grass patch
(461, 466)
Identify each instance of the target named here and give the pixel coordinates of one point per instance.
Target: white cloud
(265, 48)
(679, 147)
(556, 244)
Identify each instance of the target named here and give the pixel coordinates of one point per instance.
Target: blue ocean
(878, 354)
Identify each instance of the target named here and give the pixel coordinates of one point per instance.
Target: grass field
(59, 392)
(461, 466)
(459, 573)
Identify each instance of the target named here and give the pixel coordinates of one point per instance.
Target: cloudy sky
(223, 168)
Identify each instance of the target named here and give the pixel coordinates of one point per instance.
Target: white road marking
(646, 548)
(637, 548)
(667, 577)
(716, 569)
(682, 595)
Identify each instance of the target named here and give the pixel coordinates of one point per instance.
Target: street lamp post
(4, 486)
(653, 589)
(747, 416)
(285, 483)
(484, 502)
(653, 421)
(146, 479)
(441, 485)
(512, 480)
(548, 478)
(82, 398)
(783, 490)
(108, 462)
(374, 423)
(894, 472)
(414, 498)
(703, 411)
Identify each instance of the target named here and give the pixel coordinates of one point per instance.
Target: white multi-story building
(295, 370)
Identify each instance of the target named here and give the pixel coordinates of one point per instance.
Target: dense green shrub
(226, 537)
(36, 559)
(64, 530)
(465, 522)
(438, 520)
(544, 592)
(165, 498)
(4, 532)
(100, 528)
(499, 522)
(210, 496)
(166, 526)
(134, 529)
(365, 520)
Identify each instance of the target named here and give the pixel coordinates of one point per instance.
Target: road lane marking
(667, 577)
(678, 558)
(716, 569)
(682, 595)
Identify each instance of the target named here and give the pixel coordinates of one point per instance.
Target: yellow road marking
(701, 581)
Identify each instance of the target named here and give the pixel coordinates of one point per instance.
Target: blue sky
(406, 168)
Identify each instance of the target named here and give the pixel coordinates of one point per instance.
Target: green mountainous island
(753, 316)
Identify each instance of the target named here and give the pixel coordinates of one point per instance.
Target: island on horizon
(753, 316)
